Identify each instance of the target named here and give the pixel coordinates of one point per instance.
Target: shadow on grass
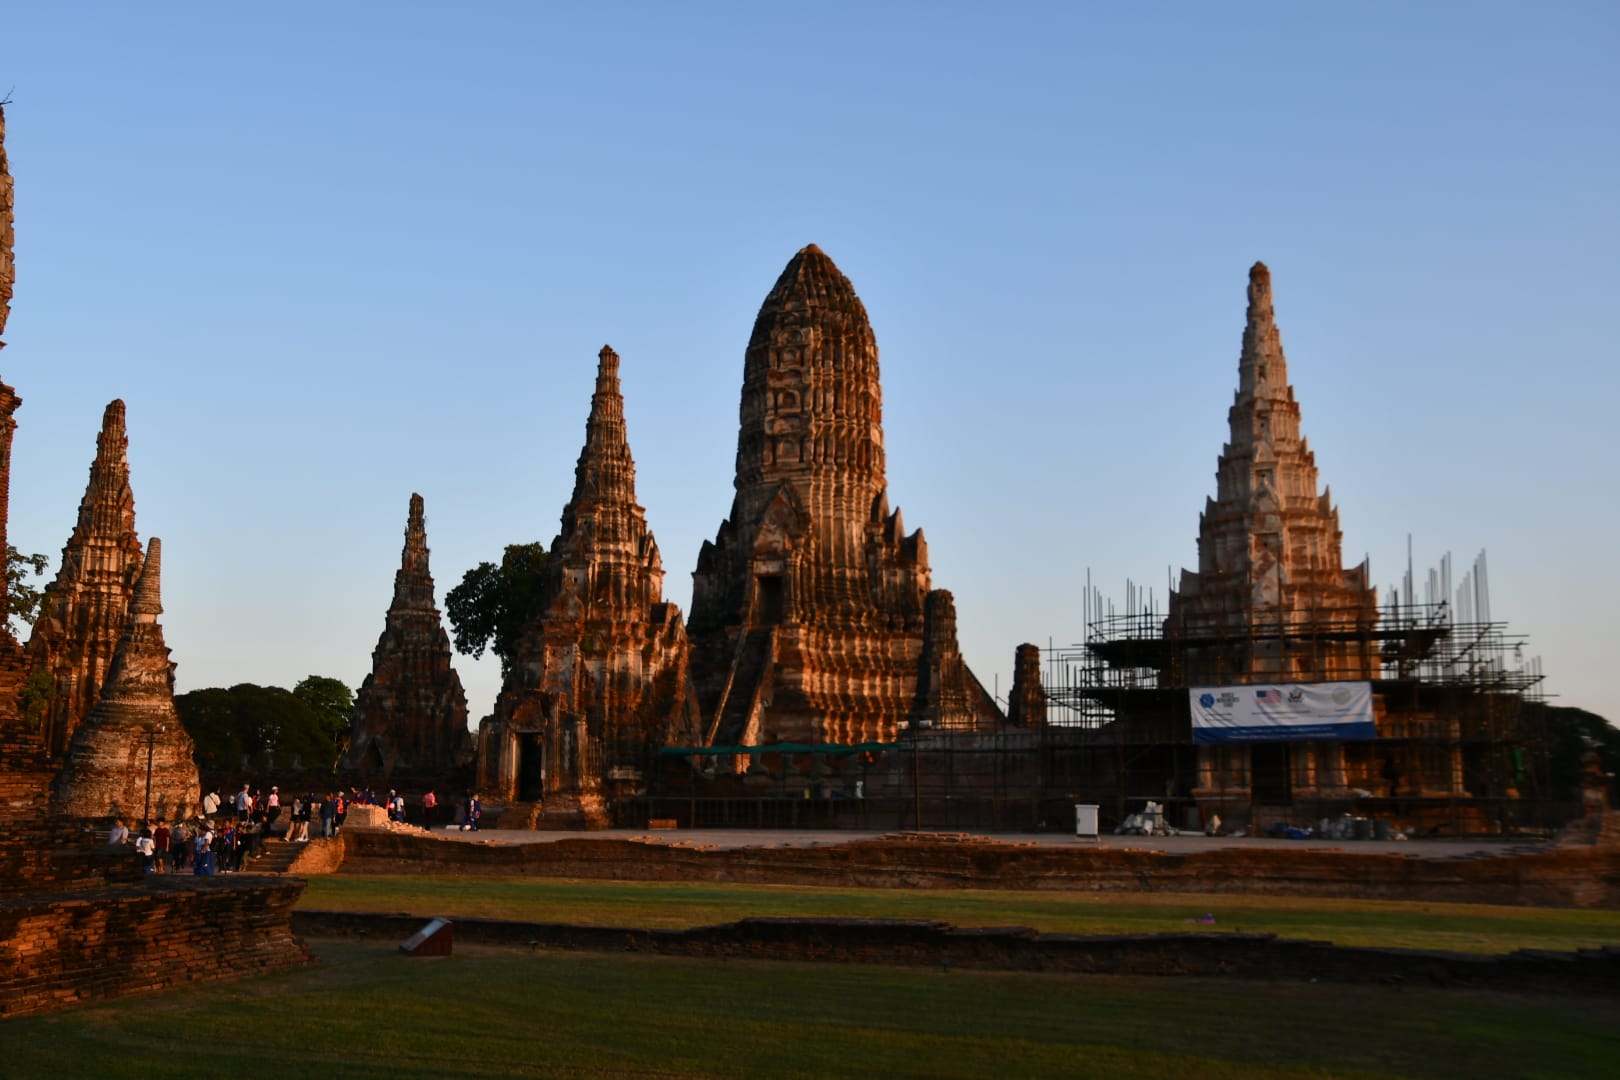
(366, 1011)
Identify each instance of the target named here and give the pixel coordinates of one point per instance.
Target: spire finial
(413, 560)
(416, 521)
(1262, 367)
(1259, 289)
(113, 443)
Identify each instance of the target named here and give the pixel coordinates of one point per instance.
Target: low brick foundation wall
(322, 856)
(62, 949)
(1575, 876)
(44, 860)
(939, 944)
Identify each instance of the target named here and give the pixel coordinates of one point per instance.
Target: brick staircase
(276, 857)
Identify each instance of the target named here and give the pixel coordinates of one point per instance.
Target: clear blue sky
(331, 254)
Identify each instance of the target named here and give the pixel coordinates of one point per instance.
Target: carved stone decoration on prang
(811, 607)
(599, 681)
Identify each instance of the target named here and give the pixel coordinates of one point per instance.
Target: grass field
(1474, 928)
(366, 1011)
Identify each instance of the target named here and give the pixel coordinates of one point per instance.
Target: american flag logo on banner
(1268, 697)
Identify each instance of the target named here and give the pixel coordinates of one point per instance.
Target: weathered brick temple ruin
(82, 613)
(86, 715)
(819, 660)
(1269, 576)
(814, 619)
(410, 715)
(131, 757)
(600, 678)
(1270, 618)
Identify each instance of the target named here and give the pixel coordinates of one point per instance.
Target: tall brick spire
(413, 584)
(599, 681)
(82, 612)
(105, 772)
(1262, 368)
(1269, 541)
(602, 520)
(411, 712)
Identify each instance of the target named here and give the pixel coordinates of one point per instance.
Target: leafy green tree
(36, 695)
(261, 728)
(491, 606)
(22, 598)
(333, 702)
(1569, 733)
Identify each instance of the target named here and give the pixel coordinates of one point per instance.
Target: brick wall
(1576, 876)
(318, 857)
(61, 950)
(54, 856)
(938, 944)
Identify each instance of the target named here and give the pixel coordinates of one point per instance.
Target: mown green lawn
(1476, 928)
(366, 1011)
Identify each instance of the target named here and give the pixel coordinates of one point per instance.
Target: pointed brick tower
(1269, 541)
(600, 680)
(1026, 703)
(411, 712)
(83, 612)
(1270, 590)
(133, 731)
(810, 608)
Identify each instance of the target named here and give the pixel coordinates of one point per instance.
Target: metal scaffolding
(1451, 687)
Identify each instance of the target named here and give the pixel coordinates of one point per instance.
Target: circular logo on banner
(1206, 700)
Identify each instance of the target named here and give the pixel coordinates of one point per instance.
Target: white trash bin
(1085, 821)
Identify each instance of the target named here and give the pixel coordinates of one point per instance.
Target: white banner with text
(1282, 711)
